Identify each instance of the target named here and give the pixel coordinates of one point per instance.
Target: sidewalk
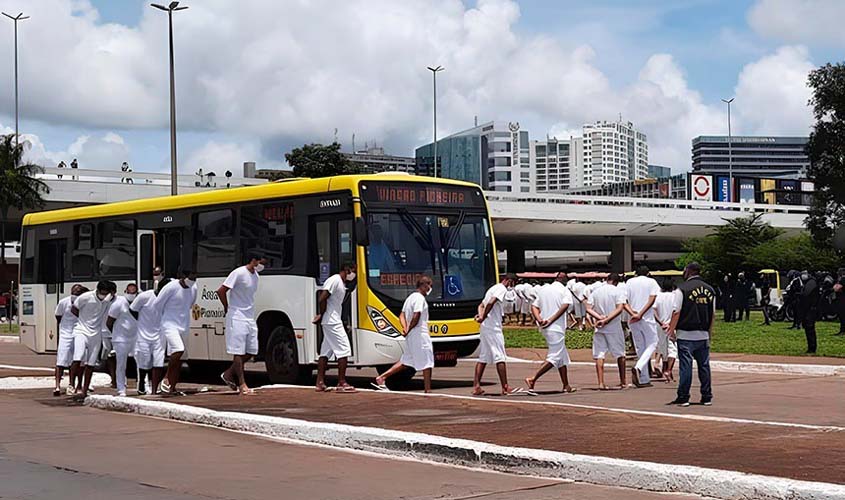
(582, 355)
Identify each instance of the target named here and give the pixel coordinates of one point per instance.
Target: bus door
(158, 248)
(334, 246)
(146, 243)
(51, 272)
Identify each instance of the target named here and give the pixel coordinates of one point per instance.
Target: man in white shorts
(330, 318)
(149, 347)
(492, 347)
(642, 292)
(237, 294)
(606, 304)
(64, 351)
(91, 309)
(419, 351)
(667, 348)
(124, 329)
(549, 312)
(175, 301)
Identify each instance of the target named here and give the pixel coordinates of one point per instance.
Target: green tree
(318, 160)
(19, 188)
(826, 150)
(798, 252)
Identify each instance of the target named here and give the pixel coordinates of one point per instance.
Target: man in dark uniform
(692, 327)
(793, 291)
(839, 288)
(808, 308)
(729, 298)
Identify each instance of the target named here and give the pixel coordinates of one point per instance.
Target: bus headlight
(382, 325)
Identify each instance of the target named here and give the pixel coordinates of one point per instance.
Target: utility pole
(730, 153)
(15, 19)
(434, 72)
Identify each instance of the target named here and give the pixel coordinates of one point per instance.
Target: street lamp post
(174, 173)
(434, 72)
(730, 153)
(15, 19)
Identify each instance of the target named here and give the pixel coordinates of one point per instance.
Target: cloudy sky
(257, 77)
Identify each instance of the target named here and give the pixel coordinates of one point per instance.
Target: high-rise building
(659, 172)
(613, 152)
(552, 164)
(494, 155)
(371, 160)
(757, 156)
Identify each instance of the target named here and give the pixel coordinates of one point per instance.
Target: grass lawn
(740, 337)
(7, 329)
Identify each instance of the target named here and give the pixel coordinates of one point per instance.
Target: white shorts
(241, 336)
(608, 342)
(86, 349)
(579, 309)
(335, 342)
(558, 356)
(174, 339)
(419, 351)
(492, 348)
(64, 351)
(665, 347)
(526, 307)
(149, 354)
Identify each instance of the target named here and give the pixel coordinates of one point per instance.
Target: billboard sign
(807, 189)
(787, 192)
(701, 187)
(747, 191)
(723, 188)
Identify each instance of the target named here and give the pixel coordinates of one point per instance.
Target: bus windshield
(453, 248)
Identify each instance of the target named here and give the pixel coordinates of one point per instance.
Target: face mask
(189, 283)
(259, 268)
(428, 292)
(157, 277)
(130, 296)
(350, 276)
(72, 299)
(805, 277)
(104, 298)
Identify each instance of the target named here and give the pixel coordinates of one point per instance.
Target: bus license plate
(446, 356)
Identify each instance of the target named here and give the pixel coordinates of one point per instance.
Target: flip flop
(570, 391)
(57, 393)
(248, 392)
(479, 393)
(229, 383)
(323, 389)
(531, 392)
(381, 387)
(514, 392)
(345, 389)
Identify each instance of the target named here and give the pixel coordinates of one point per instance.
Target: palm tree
(19, 188)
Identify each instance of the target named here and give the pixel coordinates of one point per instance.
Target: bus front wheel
(282, 360)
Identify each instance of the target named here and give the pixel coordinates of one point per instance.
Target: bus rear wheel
(282, 360)
(401, 380)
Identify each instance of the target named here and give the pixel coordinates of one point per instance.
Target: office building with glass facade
(755, 156)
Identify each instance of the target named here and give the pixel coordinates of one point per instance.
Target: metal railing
(116, 176)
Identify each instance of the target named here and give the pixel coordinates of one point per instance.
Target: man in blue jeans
(692, 326)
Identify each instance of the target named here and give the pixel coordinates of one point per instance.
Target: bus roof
(292, 187)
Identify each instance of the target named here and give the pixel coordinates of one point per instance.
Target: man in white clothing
(124, 329)
(175, 302)
(91, 309)
(667, 348)
(237, 294)
(549, 312)
(419, 351)
(66, 321)
(492, 347)
(149, 347)
(335, 339)
(642, 292)
(605, 304)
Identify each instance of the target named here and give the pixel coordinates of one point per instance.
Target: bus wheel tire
(281, 358)
(401, 380)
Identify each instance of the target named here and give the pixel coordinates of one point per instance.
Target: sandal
(233, 386)
(346, 389)
(382, 387)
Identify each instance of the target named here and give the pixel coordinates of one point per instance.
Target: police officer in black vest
(692, 326)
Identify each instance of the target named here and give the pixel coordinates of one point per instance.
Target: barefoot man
(606, 304)
(549, 312)
(492, 348)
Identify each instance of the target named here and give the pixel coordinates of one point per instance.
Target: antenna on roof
(476, 120)
(353, 143)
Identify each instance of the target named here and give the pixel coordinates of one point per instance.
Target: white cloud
(218, 157)
(103, 152)
(800, 21)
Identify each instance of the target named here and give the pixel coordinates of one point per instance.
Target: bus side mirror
(361, 235)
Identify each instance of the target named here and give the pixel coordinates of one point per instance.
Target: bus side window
(214, 235)
(116, 252)
(82, 258)
(28, 268)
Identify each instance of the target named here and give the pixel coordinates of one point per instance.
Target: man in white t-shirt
(528, 296)
(549, 312)
(91, 309)
(175, 301)
(419, 351)
(335, 339)
(606, 304)
(64, 351)
(124, 329)
(492, 346)
(237, 294)
(149, 347)
(667, 348)
(642, 292)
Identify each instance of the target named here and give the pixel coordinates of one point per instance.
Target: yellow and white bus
(395, 227)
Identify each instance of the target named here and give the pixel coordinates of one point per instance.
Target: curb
(649, 476)
(10, 339)
(20, 383)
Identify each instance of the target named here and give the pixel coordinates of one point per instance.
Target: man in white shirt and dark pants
(642, 292)
(492, 346)
(549, 311)
(124, 329)
(335, 339)
(66, 321)
(175, 301)
(237, 294)
(91, 309)
(606, 304)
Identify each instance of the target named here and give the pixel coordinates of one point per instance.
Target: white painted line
(28, 368)
(650, 476)
(523, 401)
(18, 383)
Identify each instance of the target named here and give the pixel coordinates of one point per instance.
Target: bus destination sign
(421, 194)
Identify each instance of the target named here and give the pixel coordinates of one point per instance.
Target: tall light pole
(730, 153)
(434, 72)
(174, 172)
(15, 19)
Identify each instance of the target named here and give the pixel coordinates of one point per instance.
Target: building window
(499, 176)
(524, 189)
(214, 232)
(269, 229)
(499, 147)
(499, 162)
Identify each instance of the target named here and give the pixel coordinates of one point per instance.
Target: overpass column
(621, 254)
(516, 259)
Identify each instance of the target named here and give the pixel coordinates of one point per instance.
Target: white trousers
(122, 348)
(644, 334)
